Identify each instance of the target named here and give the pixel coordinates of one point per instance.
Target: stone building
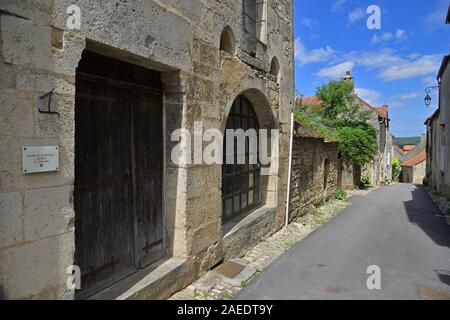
(398, 152)
(413, 170)
(434, 133)
(438, 133)
(106, 91)
(414, 163)
(314, 173)
(379, 170)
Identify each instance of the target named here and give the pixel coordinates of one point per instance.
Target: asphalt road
(397, 228)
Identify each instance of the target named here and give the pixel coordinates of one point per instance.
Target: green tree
(341, 115)
(340, 106)
(396, 168)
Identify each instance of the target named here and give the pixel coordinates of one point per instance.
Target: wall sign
(40, 159)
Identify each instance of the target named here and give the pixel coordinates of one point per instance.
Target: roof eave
(447, 21)
(444, 64)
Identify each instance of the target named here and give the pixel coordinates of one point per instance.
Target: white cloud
(337, 71)
(305, 56)
(356, 15)
(409, 96)
(429, 81)
(422, 66)
(375, 59)
(394, 67)
(368, 95)
(307, 22)
(337, 5)
(399, 35)
(436, 18)
(395, 104)
(384, 37)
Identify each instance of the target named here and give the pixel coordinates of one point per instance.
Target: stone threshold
(157, 281)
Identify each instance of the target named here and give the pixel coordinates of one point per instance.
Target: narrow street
(397, 228)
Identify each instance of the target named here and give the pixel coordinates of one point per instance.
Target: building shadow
(444, 276)
(423, 212)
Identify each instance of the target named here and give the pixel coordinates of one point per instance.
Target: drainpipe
(289, 170)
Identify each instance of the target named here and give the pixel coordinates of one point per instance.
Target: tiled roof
(408, 148)
(399, 150)
(421, 157)
(304, 131)
(312, 101)
(382, 111)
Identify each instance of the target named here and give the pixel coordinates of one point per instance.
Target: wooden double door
(118, 170)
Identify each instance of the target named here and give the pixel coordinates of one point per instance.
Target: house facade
(434, 133)
(379, 170)
(99, 95)
(438, 133)
(414, 165)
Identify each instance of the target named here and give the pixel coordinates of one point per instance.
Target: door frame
(132, 87)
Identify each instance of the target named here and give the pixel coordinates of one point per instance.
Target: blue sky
(391, 66)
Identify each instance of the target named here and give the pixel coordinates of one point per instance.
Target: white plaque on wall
(40, 159)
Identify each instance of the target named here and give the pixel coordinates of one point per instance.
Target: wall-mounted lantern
(428, 97)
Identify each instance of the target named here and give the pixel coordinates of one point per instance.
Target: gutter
(289, 170)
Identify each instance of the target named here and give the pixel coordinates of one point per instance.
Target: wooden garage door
(118, 170)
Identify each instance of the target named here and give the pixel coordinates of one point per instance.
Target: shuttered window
(250, 16)
(254, 12)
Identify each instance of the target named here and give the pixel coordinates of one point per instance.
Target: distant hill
(407, 141)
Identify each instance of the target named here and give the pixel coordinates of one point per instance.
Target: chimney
(348, 76)
(423, 137)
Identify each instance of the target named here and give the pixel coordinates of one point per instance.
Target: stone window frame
(242, 109)
(267, 119)
(254, 16)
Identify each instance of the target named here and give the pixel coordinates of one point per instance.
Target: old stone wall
(433, 175)
(445, 103)
(419, 173)
(313, 175)
(181, 40)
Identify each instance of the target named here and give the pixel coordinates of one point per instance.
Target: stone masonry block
(17, 113)
(11, 223)
(48, 212)
(37, 269)
(203, 237)
(26, 44)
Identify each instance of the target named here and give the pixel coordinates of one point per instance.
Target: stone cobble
(212, 287)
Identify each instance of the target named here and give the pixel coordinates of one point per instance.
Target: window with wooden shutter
(254, 12)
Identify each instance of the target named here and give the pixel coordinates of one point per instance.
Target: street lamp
(427, 100)
(428, 97)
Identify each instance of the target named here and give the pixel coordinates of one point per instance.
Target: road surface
(397, 228)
